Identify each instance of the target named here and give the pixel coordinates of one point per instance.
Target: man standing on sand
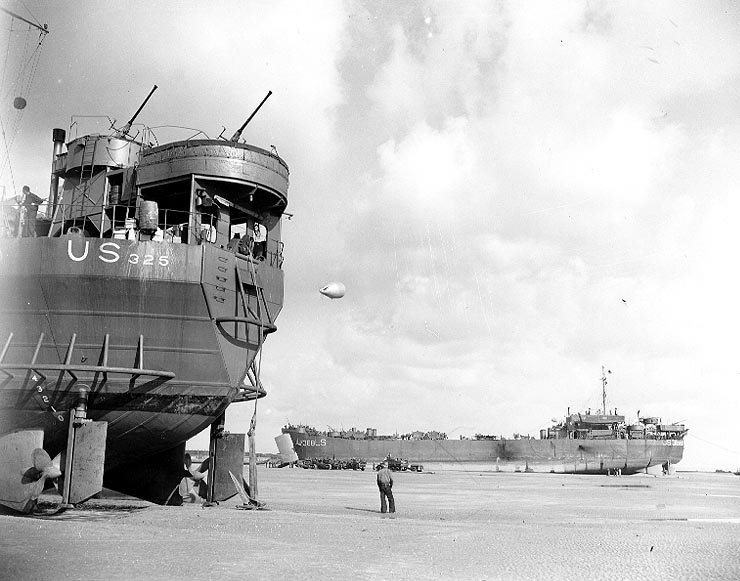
(385, 483)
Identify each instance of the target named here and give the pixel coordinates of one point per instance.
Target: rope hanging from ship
(256, 365)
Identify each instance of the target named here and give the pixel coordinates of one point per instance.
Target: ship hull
(143, 327)
(567, 456)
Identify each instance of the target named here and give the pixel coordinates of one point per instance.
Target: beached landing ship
(581, 444)
(599, 443)
(135, 308)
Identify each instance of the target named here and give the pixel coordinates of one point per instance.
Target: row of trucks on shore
(326, 463)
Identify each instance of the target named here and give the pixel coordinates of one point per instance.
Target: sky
(514, 194)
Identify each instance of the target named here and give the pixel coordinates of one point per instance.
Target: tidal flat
(449, 524)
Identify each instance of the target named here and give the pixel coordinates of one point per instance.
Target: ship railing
(36, 372)
(14, 218)
(255, 390)
(121, 221)
(67, 367)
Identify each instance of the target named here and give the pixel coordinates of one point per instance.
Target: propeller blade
(196, 475)
(204, 465)
(41, 459)
(42, 469)
(43, 463)
(52, 472)
(192, 471)
(31, 475)
(23, 478)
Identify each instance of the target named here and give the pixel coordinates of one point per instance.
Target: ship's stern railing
(36, 372)
(120, 221)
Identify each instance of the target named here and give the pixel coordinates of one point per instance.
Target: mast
(44, 29)
(603, 389)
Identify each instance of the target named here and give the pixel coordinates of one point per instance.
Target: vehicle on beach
(396, 465)
(332, 463)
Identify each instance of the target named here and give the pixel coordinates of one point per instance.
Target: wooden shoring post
(252, 462)
(68, 456)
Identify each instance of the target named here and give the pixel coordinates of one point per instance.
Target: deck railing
(120, 221)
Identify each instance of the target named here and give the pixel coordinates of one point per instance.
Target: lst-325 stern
(149, 285)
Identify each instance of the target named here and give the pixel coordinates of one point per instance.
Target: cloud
(213, 66)
(517, 198)
(440, 59)
(428, 174)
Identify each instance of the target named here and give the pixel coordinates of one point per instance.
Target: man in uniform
(385, 483)
(31, 203)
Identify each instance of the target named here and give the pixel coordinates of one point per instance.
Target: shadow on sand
(363, 509)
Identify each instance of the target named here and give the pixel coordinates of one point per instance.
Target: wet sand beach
(449, 525)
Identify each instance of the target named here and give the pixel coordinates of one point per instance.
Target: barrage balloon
(333, 290)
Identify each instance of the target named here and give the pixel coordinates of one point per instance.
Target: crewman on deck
(259, 241)
(385, 484)
(31, 203)
(233, 244)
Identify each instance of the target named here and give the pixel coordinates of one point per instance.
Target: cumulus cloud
(535, 207)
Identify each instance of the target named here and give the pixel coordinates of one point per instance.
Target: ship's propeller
(42, 467)
(196, 473)
(35, 477)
